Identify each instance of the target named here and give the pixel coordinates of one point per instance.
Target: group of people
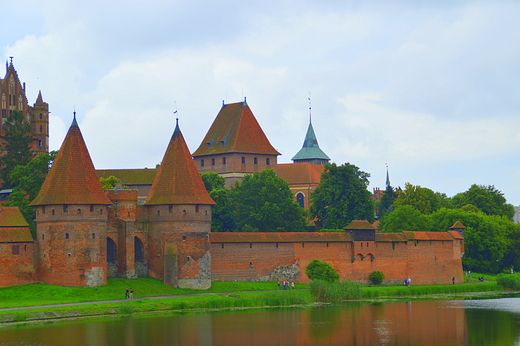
(408, 282)
(286, 285)
(129, 293)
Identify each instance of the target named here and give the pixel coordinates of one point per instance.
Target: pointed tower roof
(310, 150)
(235, 130)
(177, 180)
(39, 99)
(72, 178)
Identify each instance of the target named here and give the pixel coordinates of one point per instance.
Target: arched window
(300, 199)
(138, 250)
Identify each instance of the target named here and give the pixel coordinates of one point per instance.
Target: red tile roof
(235, 130)
(300, 173)
(177, 180)
(456, 235)
(13, 226)
(390, 237)
(359, 224)
(278, 237)
(457, 224)
(427, 235)
(72, 178)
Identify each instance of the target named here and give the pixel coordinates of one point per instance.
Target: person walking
(126, 294)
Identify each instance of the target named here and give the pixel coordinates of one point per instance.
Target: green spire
(311, 152)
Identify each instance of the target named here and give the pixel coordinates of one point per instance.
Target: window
(197, 208)
(243, 160)
(201, 163)
(66, 236)
(158, 213)
(41, 116)
(255, 161)
(170, 209)
(4, 113)
(15, 249)
(65, 208)
(41, 128)
(300, 199)
(213, 162)
(223, 160)
(100, 211)
(43, 210)
(92, 208)
(93, 235)
(43, 236)
(52, 211)
(79, 211)
(267, 161)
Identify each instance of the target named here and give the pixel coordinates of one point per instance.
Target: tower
(71, 218)
(235, 145)
(179, 220)
(310, 151)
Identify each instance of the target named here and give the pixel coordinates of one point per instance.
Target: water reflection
(455, 322)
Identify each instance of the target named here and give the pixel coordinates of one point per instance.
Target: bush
(125, 310)
(334, 292)
(511, 281)
(319, 270)
(377, 277)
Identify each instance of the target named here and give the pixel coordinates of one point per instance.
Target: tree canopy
(421, 198)
(405, 218)
(111, 182)
(212, 180)
(488, 199)
(342, 196)
(15, 146)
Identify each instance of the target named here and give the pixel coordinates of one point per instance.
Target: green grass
(401, 291)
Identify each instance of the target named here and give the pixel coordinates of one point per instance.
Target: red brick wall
(16, 264)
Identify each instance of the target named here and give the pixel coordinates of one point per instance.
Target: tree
(212, 181)
(386, 204)
(406, 218)
(421, 198)
(28, 180)
(377, 277)
(488, 199)
(263, 202)
(111, 182)
(15, 146)
(320, 270)
(342, 196)
(222, 219)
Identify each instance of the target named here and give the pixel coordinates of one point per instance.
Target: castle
(163, 230)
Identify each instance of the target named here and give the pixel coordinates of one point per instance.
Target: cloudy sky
(430, 87)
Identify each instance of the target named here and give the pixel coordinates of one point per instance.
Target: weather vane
(310, 113)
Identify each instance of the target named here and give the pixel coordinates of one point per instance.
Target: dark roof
(235, 130)
(457, 225)
(72, 178)
(359, 224)
(141, 176)
(177, 180)
(310, 150)
(427, 235)
(280, 237)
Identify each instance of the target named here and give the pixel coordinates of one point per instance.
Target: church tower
(235, 145)
(310, 151)
(179, 220)
(71, 218)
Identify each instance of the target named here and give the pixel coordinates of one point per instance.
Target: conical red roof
(72, 178)
(177, 180)
(235, 130)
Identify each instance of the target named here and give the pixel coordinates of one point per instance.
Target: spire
(177, 180)
(311, 152)
(387, 177)
(72, 178)
(39, 99)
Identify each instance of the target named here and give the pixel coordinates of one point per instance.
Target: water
(451, 322)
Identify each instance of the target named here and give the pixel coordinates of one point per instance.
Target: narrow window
(93, 235)
(255, 161)
(202, 163)
(41, 128)
(52, 212)
(300, 199)
(184, 211)
(43, 210)
(250, 245)
(79, 211)
(223, 160)
(267, 161)
(101, 211)
(41, 116)
(65, 208)
(213, 162)
(43, 236)
(197, 208)
(25, 248)
(92, 208)
(222, 245)
(158, 213)
(277, 245)
(170, 209)
(243, 160)
(66, 236)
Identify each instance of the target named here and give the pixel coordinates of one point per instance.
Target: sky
(430, 89)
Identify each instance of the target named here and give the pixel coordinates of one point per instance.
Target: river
(430, 322)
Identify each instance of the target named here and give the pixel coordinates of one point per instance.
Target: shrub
(125, 310)
(20, 318)
(511, 281)
(334, 292)
(377, 277)
(319, 270)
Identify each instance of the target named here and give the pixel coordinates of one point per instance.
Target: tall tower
(310, 151)
(235, 145)
(179, 220)
(13, 98)
(71, 218)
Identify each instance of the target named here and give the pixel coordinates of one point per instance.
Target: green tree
(28, 180)
(15, 146)
(421, 198)
(320, 270)
(212, 181)
(488, 199)
(386, 204)
(222, 219)
(342, 196)
(406, 218)
(377, 277)
(111, 182)
(263, 202)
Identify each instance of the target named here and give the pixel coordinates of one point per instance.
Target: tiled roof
(427, 235)
(310, 149)
(390, 237)
(277, 237)
(177, 180)
(72, 178)
(300, 173)
(12, 217)
(15, 235)
(235, 130)
(456, 235)
(457, 224)
(142, 176)
(359, 224)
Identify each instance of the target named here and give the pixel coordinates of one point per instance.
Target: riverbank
(40, 302)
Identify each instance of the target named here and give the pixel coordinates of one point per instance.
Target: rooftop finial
(11, 57)
(245, 100)
(310, 114)
(74, 122)
(387, 176)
